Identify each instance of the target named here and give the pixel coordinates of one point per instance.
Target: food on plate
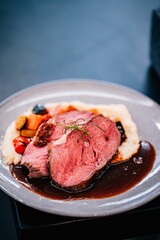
(71, 143)
(83, 153)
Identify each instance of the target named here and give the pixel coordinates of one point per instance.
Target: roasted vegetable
(20, 143)
(33, 121)
(20, 121)
(39, 109)
(27, 133)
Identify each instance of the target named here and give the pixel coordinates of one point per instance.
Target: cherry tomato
(20, 143)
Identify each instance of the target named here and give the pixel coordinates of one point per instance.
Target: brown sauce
(115, 180)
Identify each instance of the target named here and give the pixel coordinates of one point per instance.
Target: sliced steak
(36, 160)
(74, 162)
(53, 129)
(35, 157)
(72, 116)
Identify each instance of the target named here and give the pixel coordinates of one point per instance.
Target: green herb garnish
(74, 126)
(77, 126)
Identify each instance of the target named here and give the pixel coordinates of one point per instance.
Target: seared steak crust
(43, 134)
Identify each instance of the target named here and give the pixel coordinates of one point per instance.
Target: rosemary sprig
(74, 126)
(77, 126)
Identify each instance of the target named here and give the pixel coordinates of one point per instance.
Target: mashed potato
(10, 156)
(116, 112)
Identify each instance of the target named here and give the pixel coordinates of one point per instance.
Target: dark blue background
(47, 40)
(54, 39)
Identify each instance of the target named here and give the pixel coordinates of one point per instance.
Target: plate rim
(90, 81)
(71, 80)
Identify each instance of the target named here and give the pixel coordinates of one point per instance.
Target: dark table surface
(96, 39)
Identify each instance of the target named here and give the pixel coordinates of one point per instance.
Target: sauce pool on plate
(115, 180)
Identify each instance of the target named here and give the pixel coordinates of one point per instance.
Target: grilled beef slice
(74, 161)
(72, 148)
(36, 160)
(35, 157)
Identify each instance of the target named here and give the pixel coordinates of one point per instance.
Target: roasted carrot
(33, 121)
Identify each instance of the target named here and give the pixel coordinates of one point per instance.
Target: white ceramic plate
(146, 114)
